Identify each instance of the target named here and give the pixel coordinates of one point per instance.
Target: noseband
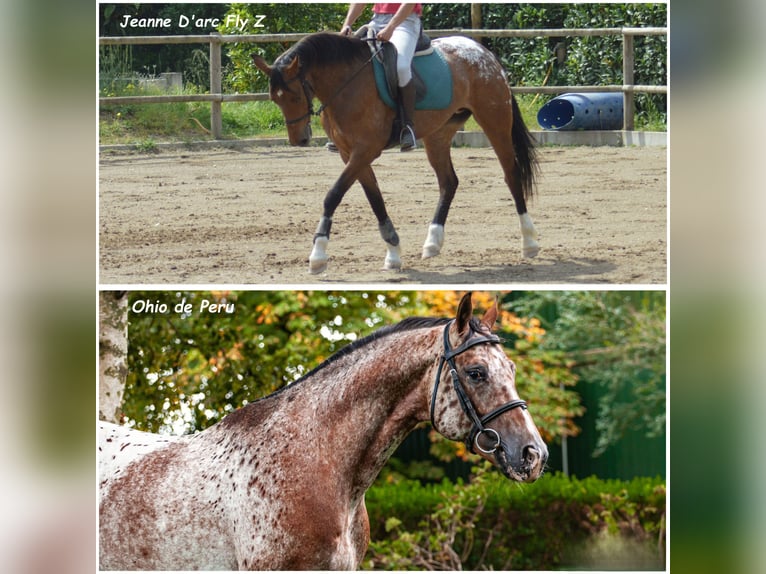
(478, 421)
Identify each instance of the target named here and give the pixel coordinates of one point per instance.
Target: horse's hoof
(430, 250)
(318, 258)
(393, 260)
(434, 241)
(392, 265)
(317, 266)
(530, 252)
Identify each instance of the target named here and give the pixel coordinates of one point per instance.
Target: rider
(400, 25)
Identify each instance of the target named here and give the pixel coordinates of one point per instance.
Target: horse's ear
(261, 64)
(490, 317)
(464, 313)
(291, 70)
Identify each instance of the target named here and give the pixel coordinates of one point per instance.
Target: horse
(280, 483)
(337, 70)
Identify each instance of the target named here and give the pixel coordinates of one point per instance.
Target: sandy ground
(248, 217)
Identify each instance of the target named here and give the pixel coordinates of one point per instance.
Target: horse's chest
(293, 530)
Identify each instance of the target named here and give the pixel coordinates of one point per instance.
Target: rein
(478, 421)
(308, 91)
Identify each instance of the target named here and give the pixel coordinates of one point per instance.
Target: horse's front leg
(387, 231)
(354, 165)
(318, 257)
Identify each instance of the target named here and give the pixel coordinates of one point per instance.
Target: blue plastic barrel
(596, 111)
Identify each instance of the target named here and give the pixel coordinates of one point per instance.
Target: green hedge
(528, 62)
(493, 523)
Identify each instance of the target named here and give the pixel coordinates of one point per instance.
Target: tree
(113, 353)
(615, 339)
(241, 75)
(190, 59)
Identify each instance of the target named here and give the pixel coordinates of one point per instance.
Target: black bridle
(478, 421)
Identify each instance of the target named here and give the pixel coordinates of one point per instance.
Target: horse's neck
(371, 399)
(328, 82)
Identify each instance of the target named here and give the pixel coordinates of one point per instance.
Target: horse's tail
(526, 154)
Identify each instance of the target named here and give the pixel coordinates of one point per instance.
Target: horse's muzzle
(525, 466)
(303, 136)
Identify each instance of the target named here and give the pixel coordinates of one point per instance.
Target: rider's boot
(407, 106)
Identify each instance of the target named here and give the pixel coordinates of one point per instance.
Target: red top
(388, 8)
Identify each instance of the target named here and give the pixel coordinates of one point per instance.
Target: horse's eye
(476, 374)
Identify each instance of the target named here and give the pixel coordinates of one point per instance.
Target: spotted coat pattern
(280, 483)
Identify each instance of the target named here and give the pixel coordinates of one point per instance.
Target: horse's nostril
(531, 455)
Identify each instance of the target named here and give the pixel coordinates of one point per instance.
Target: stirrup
(407, 139)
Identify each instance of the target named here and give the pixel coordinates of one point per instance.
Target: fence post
(476, 21)
(216, 123)
(628, 106)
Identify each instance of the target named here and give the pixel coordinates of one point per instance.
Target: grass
(187, 121)
(190, 121)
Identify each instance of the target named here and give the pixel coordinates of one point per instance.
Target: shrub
(492, 523)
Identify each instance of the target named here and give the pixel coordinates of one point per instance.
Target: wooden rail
(215, 40)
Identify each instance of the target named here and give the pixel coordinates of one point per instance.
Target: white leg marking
(393, 260)
(318, 257)
(434, 241)
(530, 247)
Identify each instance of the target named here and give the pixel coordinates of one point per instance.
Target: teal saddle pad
(433, 70)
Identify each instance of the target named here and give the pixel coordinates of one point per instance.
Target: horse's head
(292, 93)
(474, 398)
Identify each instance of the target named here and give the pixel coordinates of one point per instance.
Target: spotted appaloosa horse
(280, 483)
(336, 69)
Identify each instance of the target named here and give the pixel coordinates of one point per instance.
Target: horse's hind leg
(370, 185)
(514, 147)
(438, 151)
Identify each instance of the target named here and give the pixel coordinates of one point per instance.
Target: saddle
(430, 72)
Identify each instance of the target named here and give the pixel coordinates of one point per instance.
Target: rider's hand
(385, 34)
(346, 31)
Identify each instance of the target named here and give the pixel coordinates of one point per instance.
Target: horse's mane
(317, 50)
(408, 324)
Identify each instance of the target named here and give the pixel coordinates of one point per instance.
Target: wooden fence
(216, 96)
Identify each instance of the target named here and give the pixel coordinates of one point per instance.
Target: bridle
(309, 93)
(478, 421)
